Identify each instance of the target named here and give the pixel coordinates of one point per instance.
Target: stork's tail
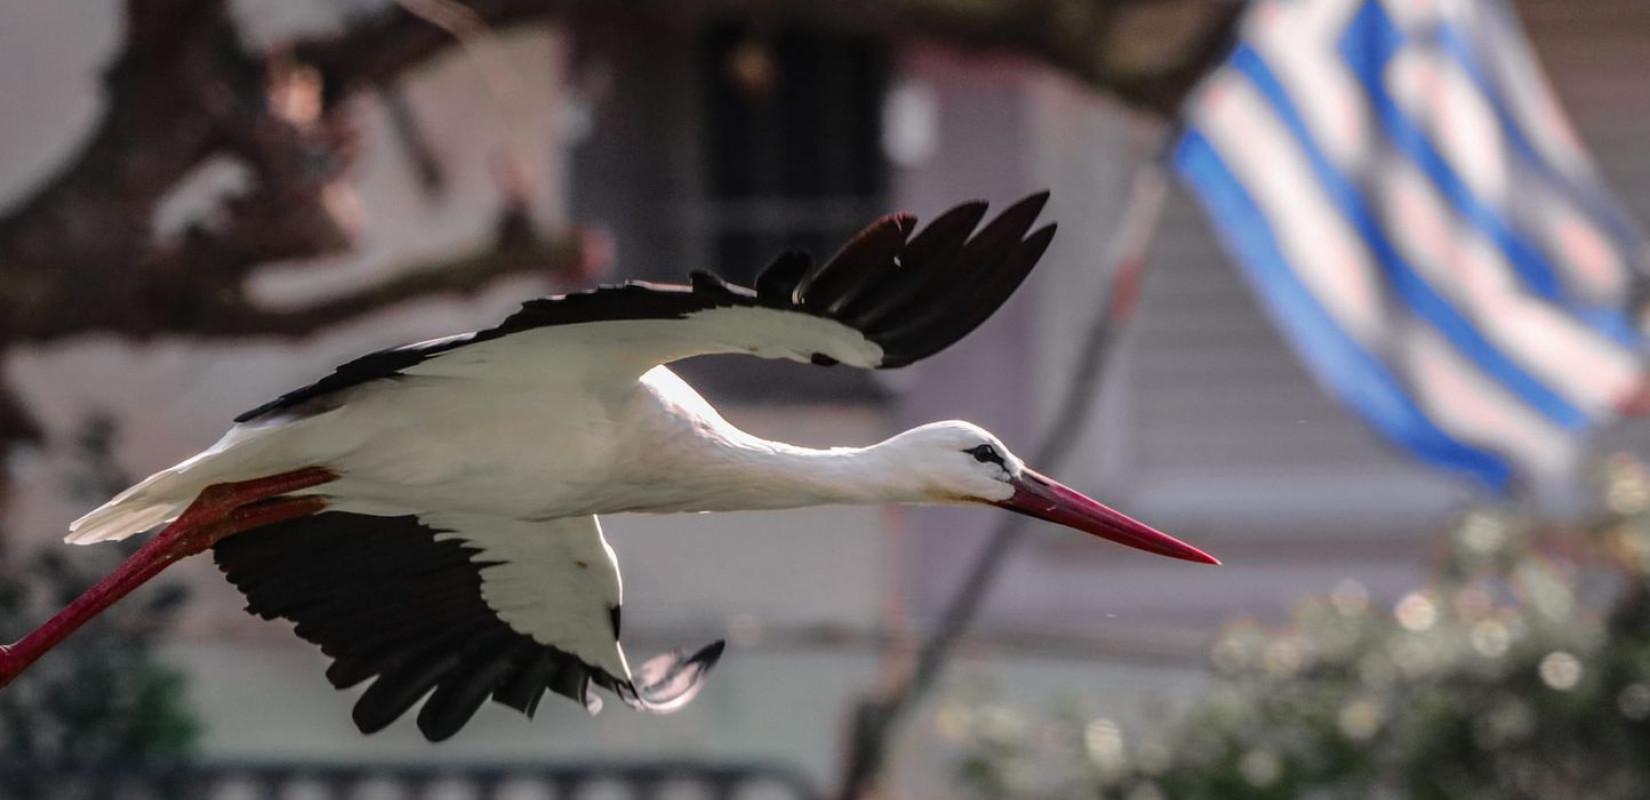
(159, 498)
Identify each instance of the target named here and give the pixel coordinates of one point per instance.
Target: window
(719, 147)
(789, 145)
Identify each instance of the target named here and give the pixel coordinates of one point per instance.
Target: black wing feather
(921, 265)
(776, 285)
(384, 598)
(926, 332)
(456, 700)
(857, 265)
(525, 687)
(913, 296)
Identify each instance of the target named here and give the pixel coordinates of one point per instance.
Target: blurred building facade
(715, 148)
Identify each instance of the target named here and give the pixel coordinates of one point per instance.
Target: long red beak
(1039, 496)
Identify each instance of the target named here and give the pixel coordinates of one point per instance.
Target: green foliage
(101, 698)
(1522, 672)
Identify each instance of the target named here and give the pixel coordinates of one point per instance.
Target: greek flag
(1408, 200)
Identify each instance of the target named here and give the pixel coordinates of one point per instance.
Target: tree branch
(180, 71)
(183, 90)
(567, 258)
(378, 48)
(1148, 53)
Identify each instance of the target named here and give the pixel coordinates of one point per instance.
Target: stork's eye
(986, 454)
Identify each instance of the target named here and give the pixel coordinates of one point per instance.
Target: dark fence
(618, 781)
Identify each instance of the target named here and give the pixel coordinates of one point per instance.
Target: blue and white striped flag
(1405, 195)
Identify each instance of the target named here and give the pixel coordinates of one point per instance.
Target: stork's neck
(686, 457)
(764, 474)
(731, 470)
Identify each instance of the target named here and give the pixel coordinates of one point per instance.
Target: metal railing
(654, 780)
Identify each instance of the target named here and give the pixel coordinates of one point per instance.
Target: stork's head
(959, 462)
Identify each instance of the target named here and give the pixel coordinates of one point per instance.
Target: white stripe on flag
(1298, 41)
(1581, 251)
(1475, 409)
(1413, 15)
(1589, 370)
(1330, 258)
(1435, 92)
(1433, 88)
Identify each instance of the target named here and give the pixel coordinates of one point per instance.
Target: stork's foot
(220, 510)
(226, 508)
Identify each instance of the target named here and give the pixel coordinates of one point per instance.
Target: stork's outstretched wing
(884, 300)
(459, 607)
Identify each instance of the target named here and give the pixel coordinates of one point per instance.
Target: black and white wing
(886, 299)
(458, 607)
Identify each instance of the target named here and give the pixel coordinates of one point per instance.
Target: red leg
(220, 510)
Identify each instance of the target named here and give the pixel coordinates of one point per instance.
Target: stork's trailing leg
(220, 510)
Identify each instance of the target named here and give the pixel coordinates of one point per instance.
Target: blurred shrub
(101, 699)
(1522, 672)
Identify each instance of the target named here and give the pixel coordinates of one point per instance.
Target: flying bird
(427, 514)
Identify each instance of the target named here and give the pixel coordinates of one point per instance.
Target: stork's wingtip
(1020, 216)
(1037, 243)
(709, 654)
(666, 683)
(1036, 199)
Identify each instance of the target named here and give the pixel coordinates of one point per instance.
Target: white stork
(427, 514)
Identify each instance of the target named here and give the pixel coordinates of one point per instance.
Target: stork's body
(655, 447)
(427, 514)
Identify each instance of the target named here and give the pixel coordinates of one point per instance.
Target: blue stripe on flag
(1369, 45)
(1458, 44)
(1421, 298)
(1358, 377)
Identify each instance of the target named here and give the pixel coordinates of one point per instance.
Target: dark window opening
(790, 157)
(718, 148)
(790, 145)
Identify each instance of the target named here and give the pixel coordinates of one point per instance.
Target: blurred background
(204, 203)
